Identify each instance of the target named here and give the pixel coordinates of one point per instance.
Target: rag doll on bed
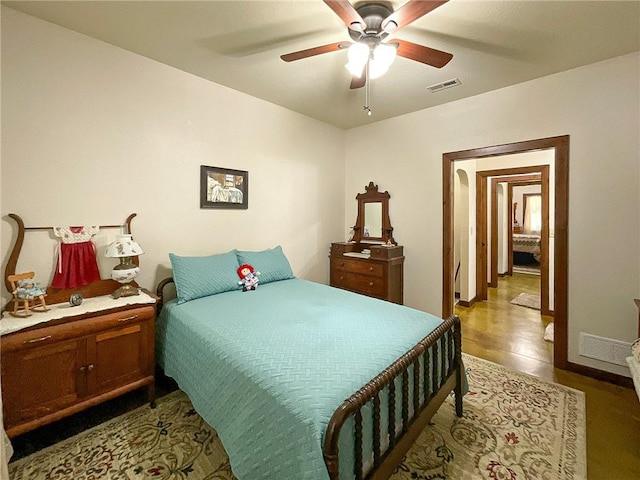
(248, 277)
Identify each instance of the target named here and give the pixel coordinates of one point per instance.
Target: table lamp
(125, 249)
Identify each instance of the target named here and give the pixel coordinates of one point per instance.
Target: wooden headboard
(160, 290)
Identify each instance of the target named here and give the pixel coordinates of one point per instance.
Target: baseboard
(600, 375)
(464, 303)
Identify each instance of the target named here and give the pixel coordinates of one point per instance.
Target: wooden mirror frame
(372, 195)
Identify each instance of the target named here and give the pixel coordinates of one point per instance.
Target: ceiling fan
(370, 25)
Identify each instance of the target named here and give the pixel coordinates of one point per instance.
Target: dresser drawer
(359, 266)
(359, 283)
(380, 275)
(340, 248)
(45, 335)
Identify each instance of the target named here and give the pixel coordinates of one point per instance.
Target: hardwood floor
(512, 335)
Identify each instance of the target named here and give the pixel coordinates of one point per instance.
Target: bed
(526, 248)
(305, 381)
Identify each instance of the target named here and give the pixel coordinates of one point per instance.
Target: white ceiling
(238, 44)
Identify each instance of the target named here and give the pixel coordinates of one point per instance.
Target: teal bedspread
(267, 368)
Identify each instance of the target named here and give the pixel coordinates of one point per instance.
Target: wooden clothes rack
(60, 295)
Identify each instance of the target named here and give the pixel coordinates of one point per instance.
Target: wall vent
(441, 86)
(605, 349)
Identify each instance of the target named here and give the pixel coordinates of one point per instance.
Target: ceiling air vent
(441, 86)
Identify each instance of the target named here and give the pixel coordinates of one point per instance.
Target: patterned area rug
(527, 300)
(514, 427)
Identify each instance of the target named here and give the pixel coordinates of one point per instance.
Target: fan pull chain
(367, 90)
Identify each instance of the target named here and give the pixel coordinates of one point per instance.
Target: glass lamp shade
(358, 55)
(124, 246)
(126, 271)
(383, 57)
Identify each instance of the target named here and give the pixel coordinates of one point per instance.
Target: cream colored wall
(6, 450)
(92, 133)
(504, 218)
(464, 205)
(598, 107)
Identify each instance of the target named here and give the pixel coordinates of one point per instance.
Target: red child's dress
(77, 265)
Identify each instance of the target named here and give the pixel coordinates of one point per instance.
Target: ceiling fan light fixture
(358, 57)
(383, 57)
(385, 54)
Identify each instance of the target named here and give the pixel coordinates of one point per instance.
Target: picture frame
(223, 188)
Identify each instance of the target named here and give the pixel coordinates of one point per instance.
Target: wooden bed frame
(440, 350)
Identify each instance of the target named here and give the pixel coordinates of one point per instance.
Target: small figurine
(28, 295)
(248, 277)
(75, 299)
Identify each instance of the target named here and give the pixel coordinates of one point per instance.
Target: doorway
(487, 245)
(560, 147)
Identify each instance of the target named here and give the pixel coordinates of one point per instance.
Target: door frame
(544, 218)
(511, 182)
(506, 176)
(560, 145)
(482, 226)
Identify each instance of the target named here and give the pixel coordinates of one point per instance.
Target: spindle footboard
(436, 370)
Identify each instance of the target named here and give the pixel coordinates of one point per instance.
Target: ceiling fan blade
(358, 82)
(422, 54)
(348, 14)
(310, 52)
(407, 13)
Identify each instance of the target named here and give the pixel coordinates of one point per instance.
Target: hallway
(508, 334)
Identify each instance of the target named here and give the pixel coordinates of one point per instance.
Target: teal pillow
(197, 277)
(272, 264)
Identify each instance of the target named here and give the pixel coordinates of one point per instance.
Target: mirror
(373, 222)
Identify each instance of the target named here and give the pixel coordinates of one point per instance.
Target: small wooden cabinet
(61, 367)
(380, 275)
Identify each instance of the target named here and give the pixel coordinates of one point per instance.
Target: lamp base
(126, 290)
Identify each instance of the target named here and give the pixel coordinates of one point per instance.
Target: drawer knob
(90, 367)
(371, 269)
(371, 284)
(341, 278)
(342, 264)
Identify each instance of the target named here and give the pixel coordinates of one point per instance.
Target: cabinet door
(120, 356)
(41, 380)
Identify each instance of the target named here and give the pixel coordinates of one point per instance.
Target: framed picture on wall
(223, 188)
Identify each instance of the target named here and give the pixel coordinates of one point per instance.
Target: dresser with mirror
(371, 262)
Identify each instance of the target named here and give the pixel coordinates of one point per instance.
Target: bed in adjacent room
(526, 249)
(302, 380)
